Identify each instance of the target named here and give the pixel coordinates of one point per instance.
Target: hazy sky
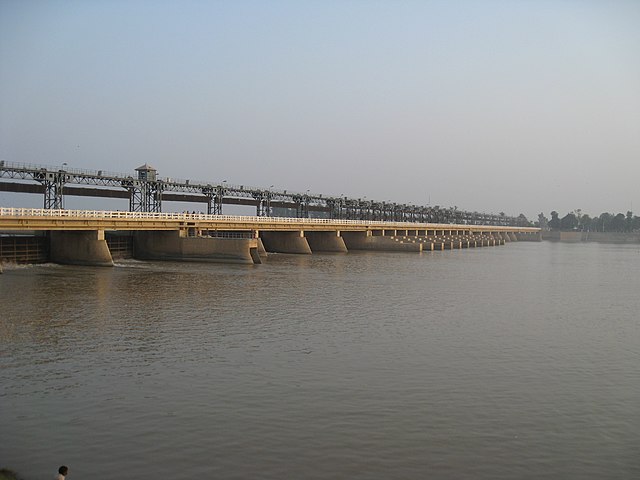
(514, 106)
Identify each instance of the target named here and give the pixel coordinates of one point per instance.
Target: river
(517, 361)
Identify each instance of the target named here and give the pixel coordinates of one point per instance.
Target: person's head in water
(63, 470)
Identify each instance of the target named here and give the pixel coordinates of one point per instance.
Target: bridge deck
(12, 219)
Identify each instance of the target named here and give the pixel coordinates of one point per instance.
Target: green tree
(604, 222)
(522, 221)
(554, 223)
(578, 213)
(618, 223)
(569, 222)
(584, 223)
(629, 221)
(543, 222)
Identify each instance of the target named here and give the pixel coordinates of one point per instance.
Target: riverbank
(600, 237)
(6, 474)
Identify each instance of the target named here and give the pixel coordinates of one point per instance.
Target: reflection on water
(520, 361)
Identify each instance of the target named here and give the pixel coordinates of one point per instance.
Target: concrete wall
(601, 237)
(285, 242)
(80, 248)
(571, 236)
(362, 241)
(169, 245)
(326, 242)
(527, 236)
(261, 250)
(611, 237)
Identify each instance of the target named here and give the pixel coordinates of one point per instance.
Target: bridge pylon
(302, 205)
(146, 193)
(263, 206)
(145, 197)
(53, 183)
(53, 191)
(214, 196)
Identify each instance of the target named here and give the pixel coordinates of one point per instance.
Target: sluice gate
(24, 249)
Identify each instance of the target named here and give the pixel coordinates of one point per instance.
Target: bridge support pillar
(512, 236)
(427, 244)
(437, 242)
(365, 241)
(326, 242)
(285, 242)
(171, 245)
(71, 247)
(261, 250)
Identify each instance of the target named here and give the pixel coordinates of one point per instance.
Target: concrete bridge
(87, 237)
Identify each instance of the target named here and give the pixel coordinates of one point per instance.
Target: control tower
(147, 173)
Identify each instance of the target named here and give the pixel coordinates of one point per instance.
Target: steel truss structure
(146, 195)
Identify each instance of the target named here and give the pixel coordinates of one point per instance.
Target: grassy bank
(6, 474)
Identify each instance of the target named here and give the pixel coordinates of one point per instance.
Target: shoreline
(594, 237)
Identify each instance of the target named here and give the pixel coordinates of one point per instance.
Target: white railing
(238, 219)
(125, 215)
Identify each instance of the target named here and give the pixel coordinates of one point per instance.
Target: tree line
(576, 220)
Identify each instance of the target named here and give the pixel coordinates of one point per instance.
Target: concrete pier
(261, 250)
(437, 242)
(171, 245)
(366, 241)
(285, 242)
(326, 242)
(536, 236)
(70, 247)
(427, 244)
